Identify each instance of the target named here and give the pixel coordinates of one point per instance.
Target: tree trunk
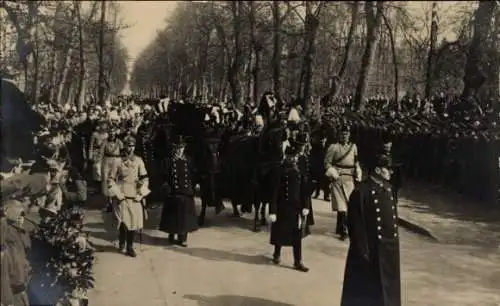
(394, 59)
(338, 80)
(373, 21)
(36, 67)
(234, 71)
(276, 60)
(101, 85)
(80, 93)
(474, 76)
(64, 74)
(431, 54)
(311, 29)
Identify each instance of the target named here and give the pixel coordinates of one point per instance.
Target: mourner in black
(179, 214)
(372, 272)
(288, 210)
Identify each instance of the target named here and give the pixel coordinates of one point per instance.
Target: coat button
(389, 189)
(378, 219)
(379, 237)
(373, 191)
(377, 210)
(395, 226)
(379, 227)
(391, 198)
(393, 207)
(375, 201)
(394, 216)
(395, 235)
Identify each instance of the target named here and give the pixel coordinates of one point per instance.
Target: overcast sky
(146, 17)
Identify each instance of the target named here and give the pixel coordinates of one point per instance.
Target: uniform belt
(111, 155)
(16, 289)
(345, 167)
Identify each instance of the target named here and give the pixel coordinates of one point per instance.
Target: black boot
(171, 238)
(130, 244)
(277, 255)
(341, 229)
(182, 240)
(122, 237)
(297, 256)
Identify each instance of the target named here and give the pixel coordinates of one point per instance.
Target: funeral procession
(250, 153)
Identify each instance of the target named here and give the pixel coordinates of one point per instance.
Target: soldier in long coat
(6, 295)
(343, 169)
(110, 160)
(129, 184)
(18, 244)
(210, 183)
(179, 213)
(372, 272)
(305, 168)
(97, 141)
(288, 210)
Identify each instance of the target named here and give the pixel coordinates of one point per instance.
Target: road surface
(226, 264)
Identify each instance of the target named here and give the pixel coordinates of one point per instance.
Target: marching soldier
(179, 213)
(95, 151)
(129, 184)
(288, 211)
(341, 162)
(18, 244)
(305, 170)
(111, 159)
(372, 272)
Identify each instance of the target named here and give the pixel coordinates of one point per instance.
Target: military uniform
(210, 184)
(131, 178)
(341, 162)
(97, 141)
(179, 213)
(18, 244)
(372, 272)
(289, 210)
(110, 159)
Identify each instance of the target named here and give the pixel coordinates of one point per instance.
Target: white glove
(305, 212)
(332, 173)
(272, 218)
(359, 174)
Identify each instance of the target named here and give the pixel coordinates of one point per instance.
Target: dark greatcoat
(372, 272)
(288, 200)
(210, 173)
(305, 170)
(179, 213)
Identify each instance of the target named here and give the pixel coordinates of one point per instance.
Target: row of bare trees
(55, 50)
(305, 49)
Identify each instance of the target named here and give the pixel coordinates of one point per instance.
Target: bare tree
(373, 22)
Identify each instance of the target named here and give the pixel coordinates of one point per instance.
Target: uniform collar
(382, 183)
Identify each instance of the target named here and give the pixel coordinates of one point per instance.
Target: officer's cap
(129, 141)
(179, 140)
(345, 128)
(384, 161)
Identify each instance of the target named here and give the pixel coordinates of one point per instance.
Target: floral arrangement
(73, 256)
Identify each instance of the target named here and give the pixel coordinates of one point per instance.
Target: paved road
(228, 265)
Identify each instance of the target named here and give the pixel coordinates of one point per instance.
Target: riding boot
(171, 238)
(297, 256)
(326, 191)
(277, 254)
(341, 229)
(130, 244)
(122, 237)
(182, 240)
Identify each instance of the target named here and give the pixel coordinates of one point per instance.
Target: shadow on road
(220, 255)
(232, 300)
